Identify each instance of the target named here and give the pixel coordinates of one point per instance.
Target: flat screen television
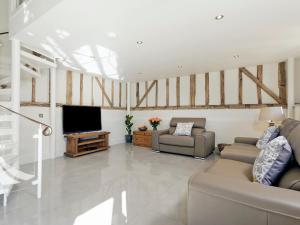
(77, 119)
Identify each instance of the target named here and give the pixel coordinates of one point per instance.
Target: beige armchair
(200, 144)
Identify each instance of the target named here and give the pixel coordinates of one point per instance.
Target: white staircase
(10, 174)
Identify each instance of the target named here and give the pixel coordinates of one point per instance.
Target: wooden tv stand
(84, 143)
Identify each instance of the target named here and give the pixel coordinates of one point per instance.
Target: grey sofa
(225, 195)
(199, 145)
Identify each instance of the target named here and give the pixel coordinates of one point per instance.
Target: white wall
(112, 120)
(227, 123)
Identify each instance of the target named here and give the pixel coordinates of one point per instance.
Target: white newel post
(53, 110)
(39, 178)
(291, 87)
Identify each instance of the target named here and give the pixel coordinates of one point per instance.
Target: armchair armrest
(204, 144)
(254, 202)
(155, 138)
(246, 140)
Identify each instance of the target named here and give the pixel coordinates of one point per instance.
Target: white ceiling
(175, 33)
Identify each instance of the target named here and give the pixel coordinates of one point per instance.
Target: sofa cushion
(240, 152)
(184, 129)
(287, 126)
(294, 141)
(232, 169)
(168, 139)
(269, 134)
(291, 179)
(272, 161)
(198, 122)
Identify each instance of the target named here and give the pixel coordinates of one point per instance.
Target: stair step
(6, 131)
(6, 104)
(5, 91)
(6, 118)
(10, 158)
(5, 81)
(7, 144)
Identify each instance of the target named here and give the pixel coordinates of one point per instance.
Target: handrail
(47, 131)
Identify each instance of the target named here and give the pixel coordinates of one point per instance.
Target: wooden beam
(49, 90)
(206, 88)
(33, 87)
(120, 94)
(229, 106)
(261, 85)
(92, 90)
(282, 82)
(192, 89)
(222, 87)
(156, 93)
(81, 89)
(146, 93)
(177, 91)
(69, 87)
(126, 94)
(259, 75)
(240, 87)
(137, 91)
(167, 92)
(146, 88)
(112, 92)
(103, 91)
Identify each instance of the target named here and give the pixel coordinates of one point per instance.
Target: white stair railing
(10, 175)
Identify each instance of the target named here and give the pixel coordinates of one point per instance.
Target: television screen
(81, 119)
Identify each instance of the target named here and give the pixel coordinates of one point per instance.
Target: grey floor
(124, 185)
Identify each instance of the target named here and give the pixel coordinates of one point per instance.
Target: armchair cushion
(246, 140)
(198, 122)
(169, 139)
(241, 152)
(184, 129)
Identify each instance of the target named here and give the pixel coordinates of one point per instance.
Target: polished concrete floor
(124, 185)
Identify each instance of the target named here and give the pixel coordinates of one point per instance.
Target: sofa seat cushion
(176, 140)
(232, 169)
(240, 152)
(291, 179)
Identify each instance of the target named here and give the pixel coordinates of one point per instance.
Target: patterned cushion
(272, 161)
(183, 129)
(268, 135)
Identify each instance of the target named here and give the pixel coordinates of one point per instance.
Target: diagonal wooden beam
(260, 78)
(146, 93)
(261, 85)
(103, 91)
(33, 90)
(177, 91)
(240, 87)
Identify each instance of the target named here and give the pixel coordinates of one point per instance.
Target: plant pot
(128, 138)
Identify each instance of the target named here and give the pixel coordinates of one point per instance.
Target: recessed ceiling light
(219, 17)
(139, 42)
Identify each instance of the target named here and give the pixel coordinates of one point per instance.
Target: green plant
(128, 124)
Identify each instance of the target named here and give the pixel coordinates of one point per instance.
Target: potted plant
(129, 124)
(154, 121)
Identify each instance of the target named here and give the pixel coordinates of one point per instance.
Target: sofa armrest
(225, 196)
(246, 140)
(204, 144)
(155, 138)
